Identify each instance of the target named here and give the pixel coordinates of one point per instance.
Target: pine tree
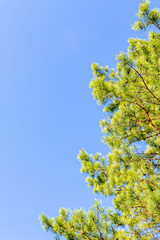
(130, 94)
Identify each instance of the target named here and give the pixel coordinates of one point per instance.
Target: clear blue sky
(47, 112)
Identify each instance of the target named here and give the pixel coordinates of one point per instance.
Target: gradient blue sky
(47, 112)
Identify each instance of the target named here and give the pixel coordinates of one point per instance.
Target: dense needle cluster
(131, 172)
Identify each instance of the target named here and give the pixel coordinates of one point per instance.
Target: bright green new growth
(131, 173)
(147, 17)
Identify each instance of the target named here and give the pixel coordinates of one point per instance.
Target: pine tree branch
(143, 82)
(155, 24)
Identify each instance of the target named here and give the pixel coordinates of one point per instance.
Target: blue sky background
(47, 112)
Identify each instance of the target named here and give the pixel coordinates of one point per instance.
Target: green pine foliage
(130, 94)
